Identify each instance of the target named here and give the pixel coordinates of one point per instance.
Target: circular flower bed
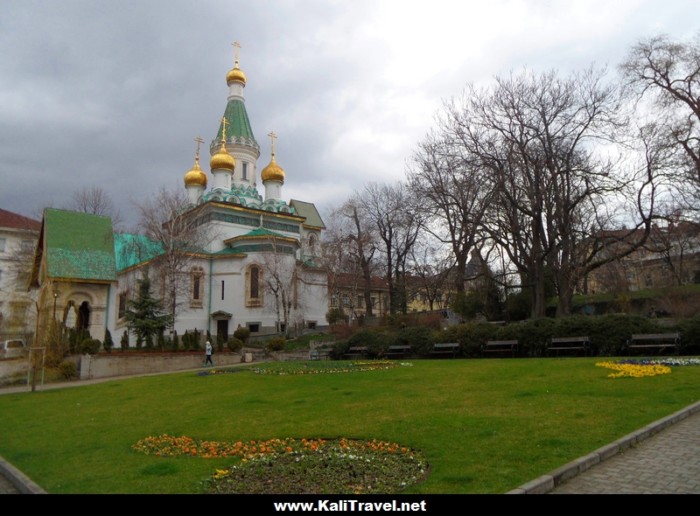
(315, 367)
(669, 361)
(297, 466)
(634, 370)
(324, 367)
(212, 372)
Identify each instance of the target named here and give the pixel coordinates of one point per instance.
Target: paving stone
(665, 463)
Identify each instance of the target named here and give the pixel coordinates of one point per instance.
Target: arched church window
(254, 282)
(254, 285)
(197, 287)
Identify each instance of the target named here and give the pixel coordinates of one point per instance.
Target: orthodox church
(254, 262)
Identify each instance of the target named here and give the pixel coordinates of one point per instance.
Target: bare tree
(453, 192)
(286, 279)
(431, 269)
(350, 249)
(341, 260)
(95, 201)
(676, 243)
(397, 221)
(179, 237)
(534, 135)
(667, 72)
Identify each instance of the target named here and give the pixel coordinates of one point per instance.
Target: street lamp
(55, 297)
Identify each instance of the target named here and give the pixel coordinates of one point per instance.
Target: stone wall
(105, 365)
(12, 368)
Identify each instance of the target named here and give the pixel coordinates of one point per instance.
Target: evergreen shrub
(421, 339)
(275, 344)
(90, 346)
(234, 344)
(242, 333)
(690, 335)
(108, 343)
(68, 370)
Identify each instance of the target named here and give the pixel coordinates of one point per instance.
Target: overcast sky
(112, 94)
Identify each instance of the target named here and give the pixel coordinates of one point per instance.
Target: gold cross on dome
(199, 141)
(273, 137)
(224, 122)
(236, 46)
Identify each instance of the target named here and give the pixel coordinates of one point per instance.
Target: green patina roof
(243, 244)
(227, 251)
(258, 232)
(309, 211)
(238, 124)
(79, 245)
(132, 249)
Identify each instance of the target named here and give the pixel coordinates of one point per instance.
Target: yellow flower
(634, 370)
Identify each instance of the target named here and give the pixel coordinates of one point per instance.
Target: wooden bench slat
(579, 343)
(398, 350)
(658, 341)
(444, 348)
(500, 346)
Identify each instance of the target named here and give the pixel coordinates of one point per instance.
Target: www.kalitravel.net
(351, 506)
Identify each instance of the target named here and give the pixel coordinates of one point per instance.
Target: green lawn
(486, 426)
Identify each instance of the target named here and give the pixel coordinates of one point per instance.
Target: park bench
(319, 354)
(660, 341)
(320, 350)
(500, 347)
(356, 352)
(558, 344)
(398, 350)
(445, 348)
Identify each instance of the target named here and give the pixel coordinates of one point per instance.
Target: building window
(254, 327)
(27, 246)
(313, 241)
(245, 171)
(222, 289)
(197, 287)
(311, 325)
(254, 282)
(254, 278)
(123, 296)
(334, 301)
(360, 300)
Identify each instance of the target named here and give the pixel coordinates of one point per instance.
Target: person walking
(208, 351)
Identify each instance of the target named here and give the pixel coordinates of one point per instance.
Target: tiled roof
(345, 280)
(308, 210)
(13, 220)
(238, 124)
(258, 233)
(79, 245)
(132, 249)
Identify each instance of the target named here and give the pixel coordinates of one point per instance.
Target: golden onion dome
(235, 74)
(222, 159)
(196, 176)
(273, 172)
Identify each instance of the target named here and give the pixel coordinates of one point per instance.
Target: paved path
(666, 463)
(6, 486)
